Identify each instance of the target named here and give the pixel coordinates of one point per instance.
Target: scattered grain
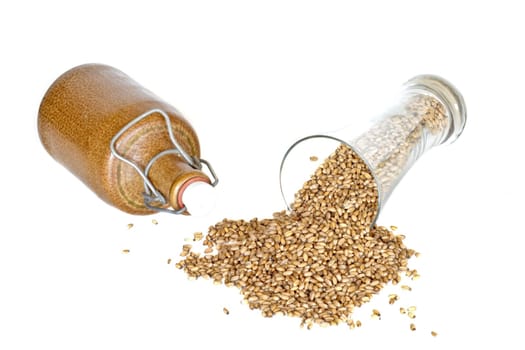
(130, 226)
(412, 327)
(433, 333)
(405, 287)
(154, 222)
(314, 158)
(226, 311)
(169, 261)
(125, 251)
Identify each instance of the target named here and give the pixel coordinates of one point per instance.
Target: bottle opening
(198, 196)
(304, 158)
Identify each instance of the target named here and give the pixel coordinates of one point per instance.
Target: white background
(252, 77)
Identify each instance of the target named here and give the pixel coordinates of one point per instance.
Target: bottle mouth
(304, 157)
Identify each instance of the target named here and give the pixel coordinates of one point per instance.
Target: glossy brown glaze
(82, 111)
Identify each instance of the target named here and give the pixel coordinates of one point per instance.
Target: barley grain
(376, 315)
(392, 298)
(197, 236)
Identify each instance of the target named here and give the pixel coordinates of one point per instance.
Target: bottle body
(86, 107)
(429, 111)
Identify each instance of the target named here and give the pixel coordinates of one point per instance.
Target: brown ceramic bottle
(115, 136)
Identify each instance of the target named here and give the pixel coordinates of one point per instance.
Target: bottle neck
(172, 175)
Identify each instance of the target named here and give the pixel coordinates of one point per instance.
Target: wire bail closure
(153, 199)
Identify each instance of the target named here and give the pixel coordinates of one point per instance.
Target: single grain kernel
(314, 158)
(412, 327)
(434, 334)
(226, 311)
(197, 236)
(154, 222)
(405, 287)
(125, 251)
(130, 226)
(392, 298)
(376, 315)
(169, 261)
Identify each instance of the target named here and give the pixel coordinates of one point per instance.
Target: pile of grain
(318, 262)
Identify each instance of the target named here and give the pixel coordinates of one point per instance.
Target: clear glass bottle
(135, 151)
(429, 111)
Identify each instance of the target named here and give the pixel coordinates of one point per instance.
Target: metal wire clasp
(153, 199)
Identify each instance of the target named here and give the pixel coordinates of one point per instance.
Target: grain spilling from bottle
(318, 262)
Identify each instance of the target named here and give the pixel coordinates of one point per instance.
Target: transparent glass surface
(429, 112)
